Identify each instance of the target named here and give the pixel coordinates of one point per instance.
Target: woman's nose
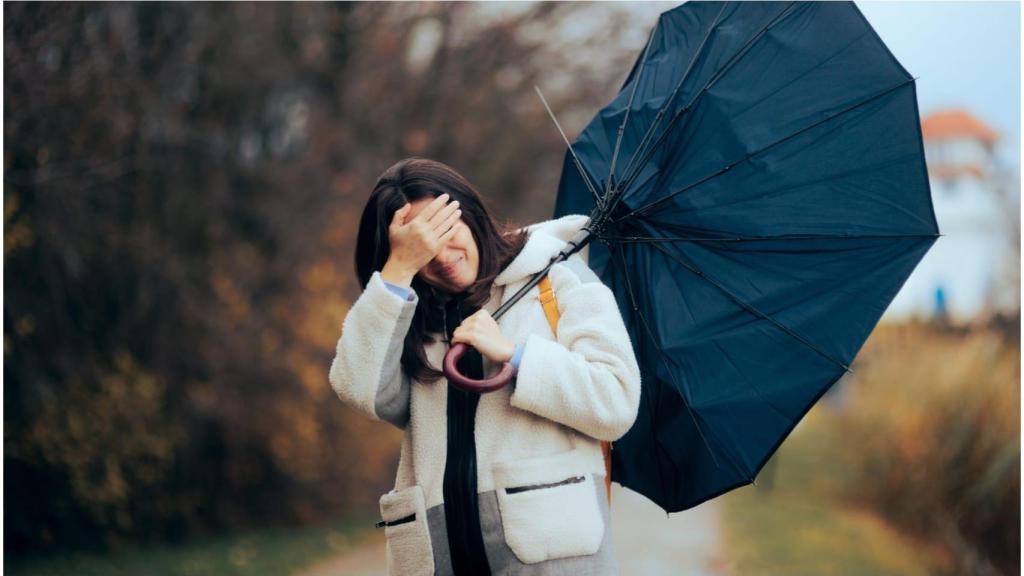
(445, 256)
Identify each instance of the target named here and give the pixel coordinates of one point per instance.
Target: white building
(972, 270)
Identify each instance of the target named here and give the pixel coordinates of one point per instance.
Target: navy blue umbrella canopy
(766, 200)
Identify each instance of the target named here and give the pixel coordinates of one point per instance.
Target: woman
(509, 482)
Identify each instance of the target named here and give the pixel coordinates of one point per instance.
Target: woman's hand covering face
(417, 242)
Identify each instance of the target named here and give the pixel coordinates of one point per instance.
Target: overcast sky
(963, 54)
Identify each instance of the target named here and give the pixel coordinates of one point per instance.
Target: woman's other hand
(481, 332)
(416, 242)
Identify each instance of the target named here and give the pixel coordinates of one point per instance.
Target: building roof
(945, 172)
(956, 123)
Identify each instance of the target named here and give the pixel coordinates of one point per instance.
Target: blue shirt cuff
(401, 291)
(517, 357)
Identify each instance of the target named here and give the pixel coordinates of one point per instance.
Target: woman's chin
(453, 285)
(460, 285)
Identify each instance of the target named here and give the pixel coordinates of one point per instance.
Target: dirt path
(364, 559)
(651, 543)
(646, 541)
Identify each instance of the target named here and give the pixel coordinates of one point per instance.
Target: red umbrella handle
(450, 367)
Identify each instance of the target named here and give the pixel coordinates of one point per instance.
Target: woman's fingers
(421, 238)
(448, 234)
(448, 222)
(441, 219)
(431, 209)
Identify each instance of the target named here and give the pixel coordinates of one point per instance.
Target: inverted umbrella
(758, 193)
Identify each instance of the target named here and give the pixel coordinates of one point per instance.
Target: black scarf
(462, 512)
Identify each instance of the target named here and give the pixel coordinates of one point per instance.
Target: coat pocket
(404, 519)
(549, 507)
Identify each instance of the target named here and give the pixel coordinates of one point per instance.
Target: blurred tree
(182, 185)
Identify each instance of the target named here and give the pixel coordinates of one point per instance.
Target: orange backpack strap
(547, 300)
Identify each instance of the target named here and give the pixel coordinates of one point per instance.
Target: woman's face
(456, 265)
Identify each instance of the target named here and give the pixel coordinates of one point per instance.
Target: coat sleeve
(589, 378)
(366, 371)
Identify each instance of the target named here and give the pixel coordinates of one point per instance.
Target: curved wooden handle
(450, 367)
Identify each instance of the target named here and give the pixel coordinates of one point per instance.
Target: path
(651, 543)
(646, 541)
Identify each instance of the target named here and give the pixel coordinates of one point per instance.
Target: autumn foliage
(181, 189)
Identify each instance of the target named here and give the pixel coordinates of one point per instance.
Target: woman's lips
(449, 270)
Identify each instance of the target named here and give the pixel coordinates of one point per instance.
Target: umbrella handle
(450, 367)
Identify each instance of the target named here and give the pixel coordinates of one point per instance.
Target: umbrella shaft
(575, 245)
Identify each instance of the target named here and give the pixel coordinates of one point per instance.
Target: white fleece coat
(571, 391)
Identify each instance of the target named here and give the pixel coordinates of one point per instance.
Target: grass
(792, 524)
(912, 467)
(268, 552)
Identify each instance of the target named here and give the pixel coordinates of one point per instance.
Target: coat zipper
(518, 489)
(405, 520)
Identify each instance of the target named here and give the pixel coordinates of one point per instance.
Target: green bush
(935, 420)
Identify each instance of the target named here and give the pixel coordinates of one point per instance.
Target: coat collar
(545, 240)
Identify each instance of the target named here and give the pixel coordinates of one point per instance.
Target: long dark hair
(408, 181)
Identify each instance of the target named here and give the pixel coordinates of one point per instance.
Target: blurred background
(182, 186)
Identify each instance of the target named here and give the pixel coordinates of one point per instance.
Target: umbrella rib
(749, 383)
(629, 108)
(752, 309)
(671, 98)
(666, 360)
(834, 176)
(576, 160)
(634, 239)
(632, 172)
(647, 207)
(663, 357)
(816, 66)
(652, 410)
